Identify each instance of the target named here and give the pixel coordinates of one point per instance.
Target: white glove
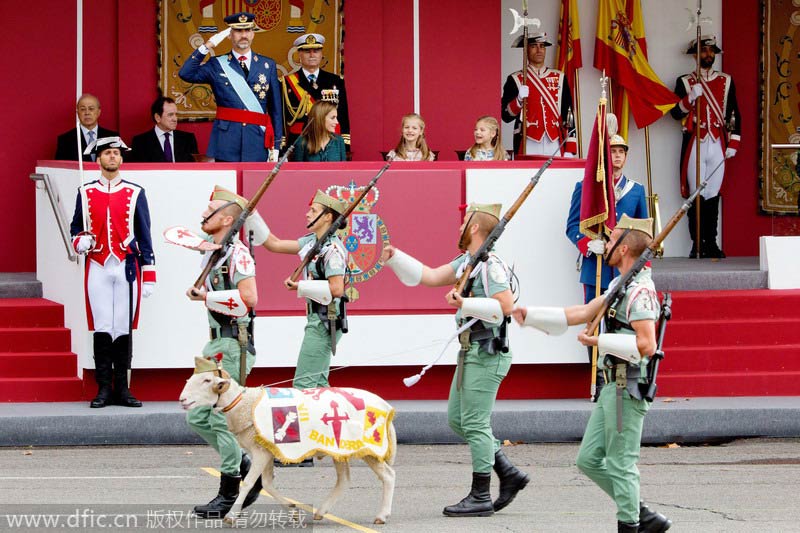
(147, 289)
(568, 155)
(695, 92)
(219, 37)
(84, 244)
(730, 152)
(523, 92)
(273, 156)
(259, 228)
(597, 246)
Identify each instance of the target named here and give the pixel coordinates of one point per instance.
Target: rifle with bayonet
(335, 226)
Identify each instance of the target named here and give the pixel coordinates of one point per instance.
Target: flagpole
(577, 89)
(79, 91)
(601, 134)
(652, 197)
(524, 117)
(697, 239)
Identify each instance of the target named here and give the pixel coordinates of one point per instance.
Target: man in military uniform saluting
(720, 129)
(249, 121)
(229, 292)
(484, 359)
(610, 447)
(310, 84)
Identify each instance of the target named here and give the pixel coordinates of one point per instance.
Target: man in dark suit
(164, 144)
(88, 110)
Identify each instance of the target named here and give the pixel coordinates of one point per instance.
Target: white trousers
(711, 155)
(543, 147)
(108, 297)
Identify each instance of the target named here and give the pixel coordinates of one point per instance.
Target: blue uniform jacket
(633, 203)
(233, 141)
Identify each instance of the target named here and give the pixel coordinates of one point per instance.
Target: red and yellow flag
(621, 51)
(569, 42)
(598, 205)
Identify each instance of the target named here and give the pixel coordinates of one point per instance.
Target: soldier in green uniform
(610, 447)
(484, 359)
(323, 287)
(229, 291)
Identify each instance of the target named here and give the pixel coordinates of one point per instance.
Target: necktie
(312, 78)
(91, 139)
(243, 63)
(167, 149)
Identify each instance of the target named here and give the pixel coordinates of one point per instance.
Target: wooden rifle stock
(463, 286)
(227, 240)
(337, 223)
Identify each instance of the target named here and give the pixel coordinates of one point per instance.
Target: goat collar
(233, 404)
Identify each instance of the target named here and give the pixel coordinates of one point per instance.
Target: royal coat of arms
(364, 237)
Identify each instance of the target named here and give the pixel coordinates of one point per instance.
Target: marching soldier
(249, 121)
(323, 287)
(630, 200)
(549, 103)
(720, 129)
(311, 84)
(229, 292)
(610, 447)
(120, 267)
(484, 359)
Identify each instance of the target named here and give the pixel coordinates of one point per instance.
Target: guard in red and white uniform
(120, 266)
(549, 103)
(720, 129)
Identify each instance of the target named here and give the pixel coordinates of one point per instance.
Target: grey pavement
(417, 422)
(743, 486)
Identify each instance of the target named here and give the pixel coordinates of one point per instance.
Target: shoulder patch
(497, 272)
(243, 261)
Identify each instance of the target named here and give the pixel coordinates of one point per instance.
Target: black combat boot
(651, 521)
(512, 480)
(622, 527)
(252, 496)
(122, 395)
(222, 502)
(478, 502)
(102, 373)
(710, 217)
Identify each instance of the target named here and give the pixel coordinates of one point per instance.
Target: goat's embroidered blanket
(341, 422)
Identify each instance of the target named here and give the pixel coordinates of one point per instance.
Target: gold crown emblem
(242, 18)
(311, 40)
(350, 192)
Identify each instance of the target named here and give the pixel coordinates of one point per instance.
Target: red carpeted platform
(36, 364)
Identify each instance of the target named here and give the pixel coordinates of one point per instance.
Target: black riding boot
(651, 521)
(710, 217)
(512, 480)
(622, 527)
(102, 374)
(122, 395)
(252, 495)
(691, 216)
(222, 502)
(478, 502)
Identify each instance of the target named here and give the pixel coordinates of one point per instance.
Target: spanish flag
(621, 52)
(569, 42)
